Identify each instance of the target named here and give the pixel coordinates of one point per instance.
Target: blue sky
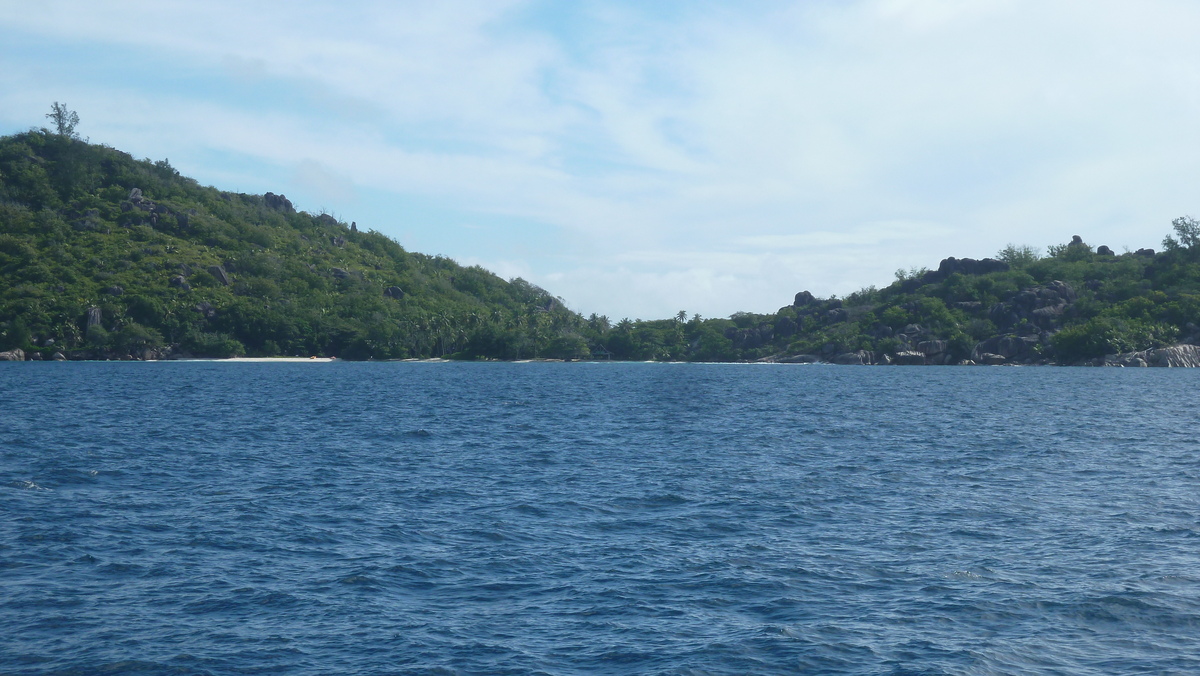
(641, 158)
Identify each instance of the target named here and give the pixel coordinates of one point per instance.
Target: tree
(1188, 230)
(64, 119)
(1018, 256)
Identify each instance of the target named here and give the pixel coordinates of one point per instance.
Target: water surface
(411, 518)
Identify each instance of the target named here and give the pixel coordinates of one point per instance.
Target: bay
(489, 518)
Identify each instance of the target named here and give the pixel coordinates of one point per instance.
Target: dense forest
(103, 256)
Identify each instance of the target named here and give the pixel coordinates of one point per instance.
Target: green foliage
(74, 234)
(1187, 229)
(1019, 256)
(64, 120)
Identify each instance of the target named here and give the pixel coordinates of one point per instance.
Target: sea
(211, 518)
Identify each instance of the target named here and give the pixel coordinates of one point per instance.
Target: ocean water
(415, 518)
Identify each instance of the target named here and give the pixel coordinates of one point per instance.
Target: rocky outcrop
(1009, 347)
(394, 292)
(798, 359)
(180, 282)
(206, 309)
(859, 358)
(340, 273)
(219, 274)
(1176, 356)
(15, 354)
(94, 315)
(1042, 306)
(279, 203)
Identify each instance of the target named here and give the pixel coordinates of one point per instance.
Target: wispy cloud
(709, 156)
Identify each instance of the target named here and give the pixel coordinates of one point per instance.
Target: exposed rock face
(799, 359)
(279, 203)
(838, 315)
(135, 195)
(1041, 306)
(1103, 250)
(206, 309)
(394, 292)
(59, 356)
(115, 290)
(338, 241)
(340, 273)
(804, 299)
(1148, 253)
(970, 266)
(353, 226)
(859, 358)
(94, 315)
(931, 348)
(15, 354)
(1176, 356)
(1009, 347)
(326, 219)
(219, 274)
(992, 359)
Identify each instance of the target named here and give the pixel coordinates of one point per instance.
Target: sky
(641, 158)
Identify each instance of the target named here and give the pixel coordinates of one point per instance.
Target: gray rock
(338, 241)
(394, 292)
(114, 290)
(799, 359)
(15, 354)
(94, 315)
(326, 219)
(804, 299)
(219, 274)
(340, 273)
(353, 226)
(279, 203)
(34, 356)
(1148, 253)
(135, 195)
(992, 359)
(180, 282)
(930, 348)
(1177, 356)
(59, 356)
(837, 315)
(1103, 250)
(206, 309)
(859, 358)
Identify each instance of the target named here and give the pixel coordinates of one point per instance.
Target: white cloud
(720, 159)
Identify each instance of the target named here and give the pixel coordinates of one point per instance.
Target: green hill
(105, 256)
(1077, 305)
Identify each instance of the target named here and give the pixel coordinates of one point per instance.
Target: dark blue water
(242, 518)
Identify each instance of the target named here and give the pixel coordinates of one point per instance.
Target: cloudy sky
(640, 158)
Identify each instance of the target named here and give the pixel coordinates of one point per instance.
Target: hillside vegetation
(106, 257)
(1076, 305)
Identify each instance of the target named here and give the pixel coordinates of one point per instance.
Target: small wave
(27, 486)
